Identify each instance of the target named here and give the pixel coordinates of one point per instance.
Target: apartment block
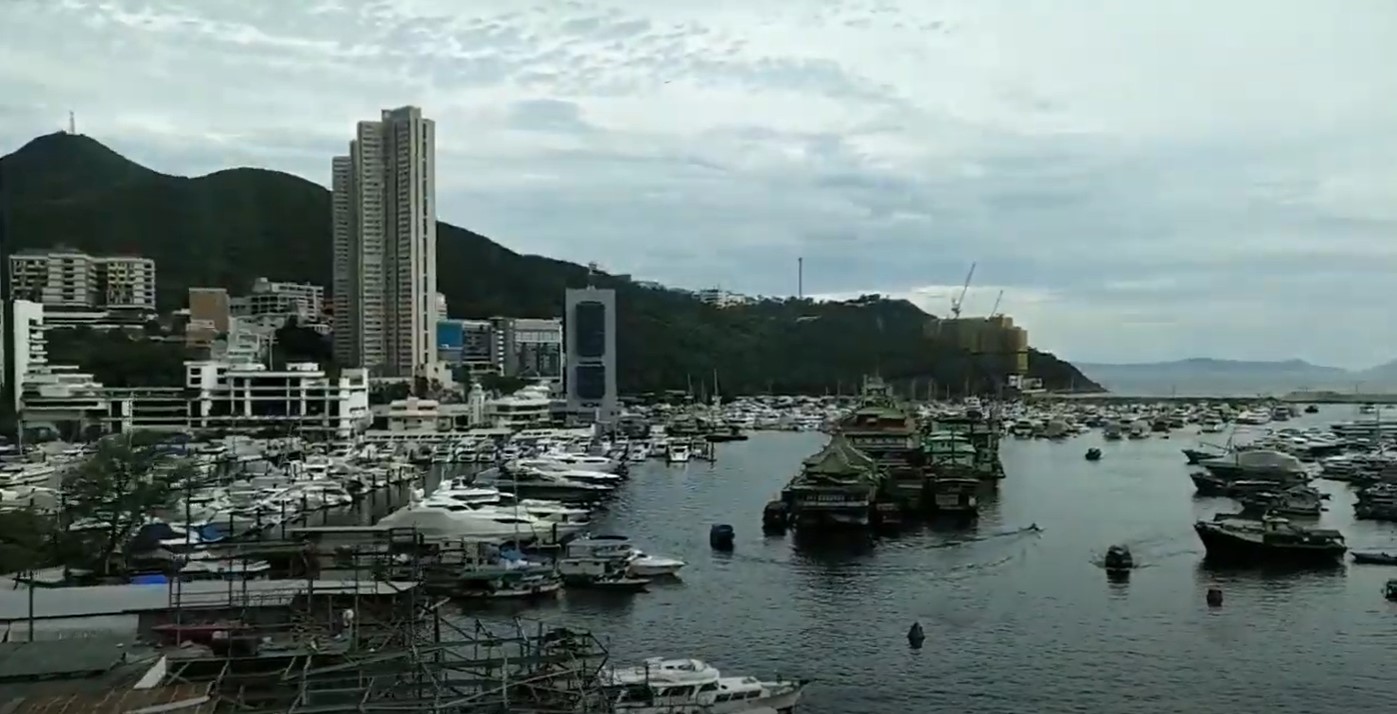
(384, 221)
(64, 279)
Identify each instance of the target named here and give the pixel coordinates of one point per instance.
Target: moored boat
(670, 686)
(1270, 539)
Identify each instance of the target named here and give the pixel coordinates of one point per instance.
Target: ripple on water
(1015, 621)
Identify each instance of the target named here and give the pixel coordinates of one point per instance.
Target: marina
(635, 575)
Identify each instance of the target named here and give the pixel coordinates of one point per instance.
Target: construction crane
(960, 299)
(994, 311)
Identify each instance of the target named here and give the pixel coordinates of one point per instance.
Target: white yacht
(437, 522)
(581, 461)
(559, 518)
(604, 478)
(691, 686)
(678, 452)
(549, 484)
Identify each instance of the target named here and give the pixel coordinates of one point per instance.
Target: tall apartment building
(385, 246)
(589, 328)
(63, 279)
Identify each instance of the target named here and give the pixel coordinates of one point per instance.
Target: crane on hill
(957, 301)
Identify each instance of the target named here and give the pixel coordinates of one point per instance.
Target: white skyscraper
(385, 231)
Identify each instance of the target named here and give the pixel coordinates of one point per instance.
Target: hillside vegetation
(230, 227)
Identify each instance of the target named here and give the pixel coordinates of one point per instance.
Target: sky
(1143, 180)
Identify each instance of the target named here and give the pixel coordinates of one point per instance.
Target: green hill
(229, 227)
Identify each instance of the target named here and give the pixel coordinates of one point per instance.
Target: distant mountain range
(1221, 377)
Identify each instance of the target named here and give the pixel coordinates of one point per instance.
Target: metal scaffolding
(366, 644)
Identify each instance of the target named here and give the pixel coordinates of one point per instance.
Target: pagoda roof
(839, 458)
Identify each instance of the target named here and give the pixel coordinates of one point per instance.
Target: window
(589, 329)
(589, 382)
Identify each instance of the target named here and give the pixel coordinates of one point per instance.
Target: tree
(118, 359)
(115, 490)
(24, 540)
(298, 343)
(502, 384)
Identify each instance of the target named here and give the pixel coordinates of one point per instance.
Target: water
(1015, 621)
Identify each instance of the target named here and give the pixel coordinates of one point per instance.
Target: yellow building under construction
(995, 335)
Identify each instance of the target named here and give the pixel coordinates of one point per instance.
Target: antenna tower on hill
(72, 124)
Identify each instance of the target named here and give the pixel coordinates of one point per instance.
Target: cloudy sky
(1143, 179)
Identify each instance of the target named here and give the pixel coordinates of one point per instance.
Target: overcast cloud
(1144, 179)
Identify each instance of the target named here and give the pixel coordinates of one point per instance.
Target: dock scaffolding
(324, 646)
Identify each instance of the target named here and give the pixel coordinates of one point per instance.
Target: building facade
(210, 315)
(589, 326)
(64, 279)
(271, 299)
(28, 351)
(384, 222)
(995, 336)
(301, 398)
(527, 347)
(126, 282)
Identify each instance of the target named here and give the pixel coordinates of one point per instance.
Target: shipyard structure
(887, 463)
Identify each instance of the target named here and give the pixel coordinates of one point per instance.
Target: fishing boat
(1270, 539)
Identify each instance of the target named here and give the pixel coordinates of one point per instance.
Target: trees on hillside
(128, 479)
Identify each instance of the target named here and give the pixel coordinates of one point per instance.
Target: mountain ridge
(230, 226)
(1210, 375)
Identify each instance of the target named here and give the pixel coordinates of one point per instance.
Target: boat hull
(1226, 547)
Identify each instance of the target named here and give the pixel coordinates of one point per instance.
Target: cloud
(1144, 180)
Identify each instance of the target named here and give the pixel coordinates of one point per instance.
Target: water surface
(1015, 621)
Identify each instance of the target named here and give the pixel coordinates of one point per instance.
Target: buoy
(915, 636)
(1214, 597)
(720, 537)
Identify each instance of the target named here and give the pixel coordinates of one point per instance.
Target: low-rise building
(529, 407)
(301, 398)
(274, 303)
(528, 347)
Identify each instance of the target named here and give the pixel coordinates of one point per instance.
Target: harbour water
(1016, 620)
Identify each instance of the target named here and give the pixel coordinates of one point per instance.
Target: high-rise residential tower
(385, 246)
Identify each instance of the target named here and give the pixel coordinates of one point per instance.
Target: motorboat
(1374, 558)
(666, 686)
(1093, 454)
(653, 566)
(1118, 559)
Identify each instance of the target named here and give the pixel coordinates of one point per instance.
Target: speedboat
(653, 566)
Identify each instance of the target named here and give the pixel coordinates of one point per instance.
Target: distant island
(230, 227)
(1204, 376)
